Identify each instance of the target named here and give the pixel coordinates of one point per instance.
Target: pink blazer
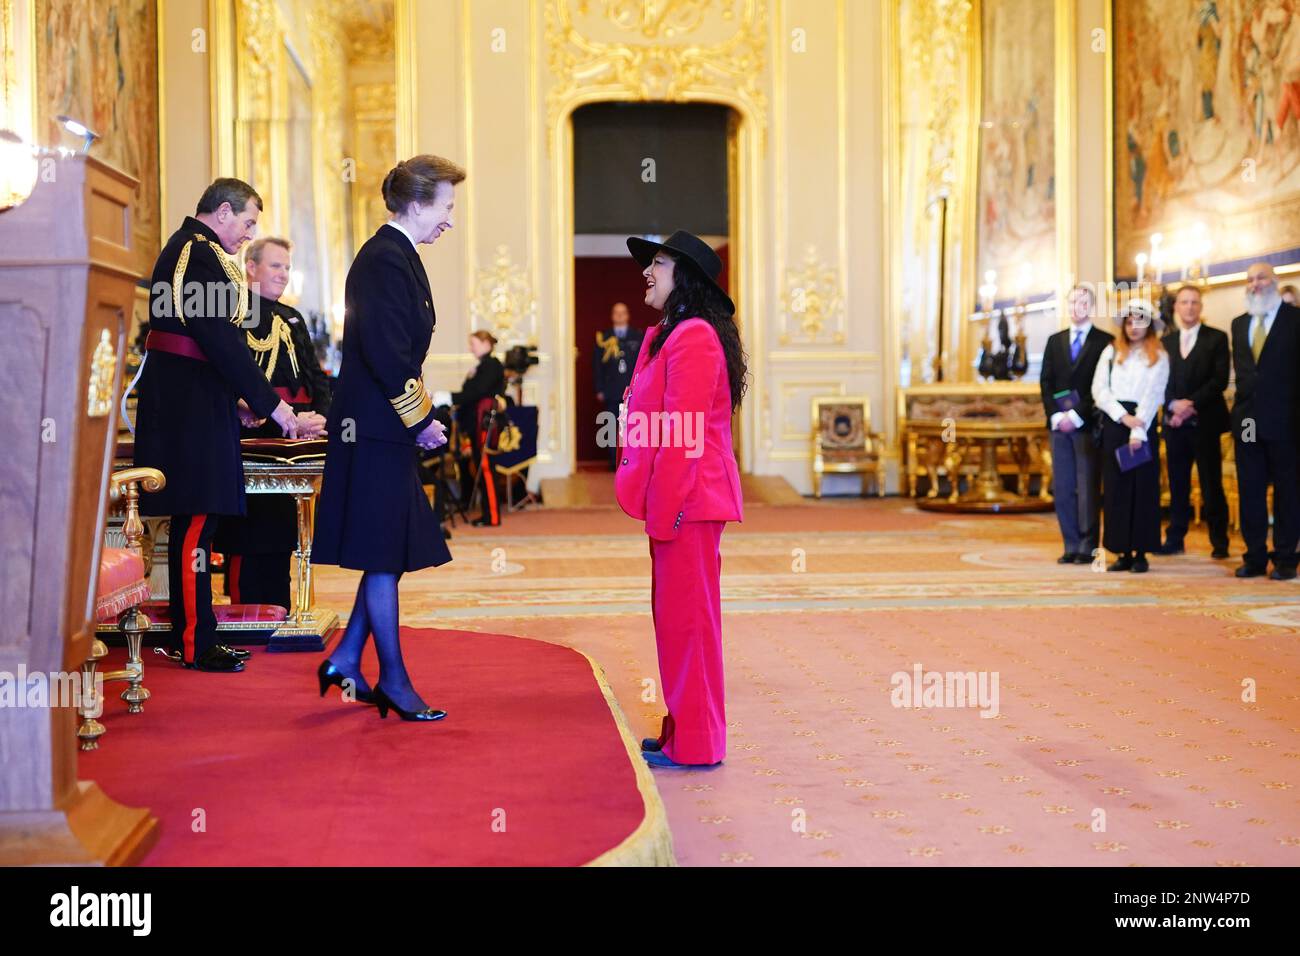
(675, 457)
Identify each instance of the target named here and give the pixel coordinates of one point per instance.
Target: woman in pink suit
(678, 473)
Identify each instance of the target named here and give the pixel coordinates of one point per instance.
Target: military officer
(613, 361)
(197, 367)
(259, 547)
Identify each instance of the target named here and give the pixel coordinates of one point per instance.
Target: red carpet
(280, 777)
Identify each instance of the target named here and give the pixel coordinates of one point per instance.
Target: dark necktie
(1075, 346)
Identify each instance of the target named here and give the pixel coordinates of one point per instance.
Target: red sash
(175, 344)
(299, 397)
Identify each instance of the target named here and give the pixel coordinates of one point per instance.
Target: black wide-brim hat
(681, 243)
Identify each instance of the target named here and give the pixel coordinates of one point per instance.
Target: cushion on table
(159, 612)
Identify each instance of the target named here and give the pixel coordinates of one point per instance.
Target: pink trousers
(686, 597)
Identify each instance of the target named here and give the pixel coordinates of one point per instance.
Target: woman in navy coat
(373, 515)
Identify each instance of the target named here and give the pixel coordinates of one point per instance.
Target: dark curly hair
(695, 297)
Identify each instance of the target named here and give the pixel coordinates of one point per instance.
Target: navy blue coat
(373, 513)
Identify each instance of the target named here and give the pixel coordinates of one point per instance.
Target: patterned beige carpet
(1140, 720)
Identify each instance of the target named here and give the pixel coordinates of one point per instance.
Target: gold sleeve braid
(229, 265)
(413, 404)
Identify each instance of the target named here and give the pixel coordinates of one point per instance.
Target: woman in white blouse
(1128, 389)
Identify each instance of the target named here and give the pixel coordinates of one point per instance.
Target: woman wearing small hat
(680, 477)
(1128, 389)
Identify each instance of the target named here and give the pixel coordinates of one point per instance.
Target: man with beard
(1266, 357)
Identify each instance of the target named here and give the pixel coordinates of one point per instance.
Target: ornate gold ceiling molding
(655, 18)
(586, 69)
(503, 300)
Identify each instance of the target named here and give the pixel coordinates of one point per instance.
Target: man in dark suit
(1195, 415)
(1266, 357)
(613, 361)
(197, 366)
(1069, 361)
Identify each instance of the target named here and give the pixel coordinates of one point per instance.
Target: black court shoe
(330, 676)
(1123, 563)
(385, 704)
(236, 652)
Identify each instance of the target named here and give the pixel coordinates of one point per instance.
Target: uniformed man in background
(614, 359)
(259, 547)
(197, 367)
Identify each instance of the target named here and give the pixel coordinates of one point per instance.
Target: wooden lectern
(67, 285)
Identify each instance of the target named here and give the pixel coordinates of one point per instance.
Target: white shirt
(1132, 380)
(398, 226)
(1082, 331)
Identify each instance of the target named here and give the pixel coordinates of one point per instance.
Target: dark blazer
(1202, 376)
(1267, 392)
(388, 323)
(1059, 374)
(487, 379)
(187, 425)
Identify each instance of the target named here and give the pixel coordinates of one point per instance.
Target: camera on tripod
(520, 358)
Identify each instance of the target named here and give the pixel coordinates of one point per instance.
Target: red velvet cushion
(121, 583)
(159, 612)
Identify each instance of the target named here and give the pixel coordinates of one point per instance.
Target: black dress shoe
(1123, 563)
(327, 675)
(1249, 571)
(1170, 547)
(1140, 566)
(1282, 574)
(651, 745)
(385, 704)
(236, 652)
(1083, 557)
(1219, 554)
(1066, 558)
(216, 661)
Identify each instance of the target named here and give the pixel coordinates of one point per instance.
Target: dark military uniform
(373, 514)
(196, 368)
(613, 362)
(259, 547)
